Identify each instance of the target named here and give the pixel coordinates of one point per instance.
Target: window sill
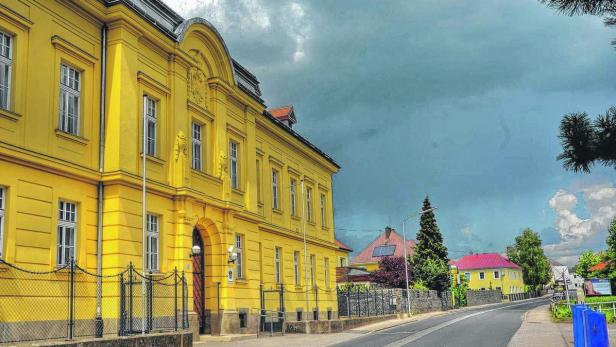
(241, 281)
(297, 218)
(324, 227)
(277, 210)
(205, 175)
(153, 159)
(10, 115)
(260, 204)
(237, 191)
(71, 137)
(312, 223)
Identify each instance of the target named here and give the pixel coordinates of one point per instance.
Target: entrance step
(204, 339)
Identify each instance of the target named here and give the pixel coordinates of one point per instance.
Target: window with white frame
(277, 264)
(275, 189)
(293, 190)
(233, 164)
(67, 227)
(240, 259)
(2, 208)
(312, 259)
(482, 275)
(496, 274)
(468, 275)
(6, 69)
(323, 216)
(70, 99)
(296, 267)
(196, 147)
(326, 272)
(259, 197)
(153, 224)
(150, 114)
(309, 203)
(343, 261)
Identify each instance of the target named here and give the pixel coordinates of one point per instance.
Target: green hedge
(600, 298)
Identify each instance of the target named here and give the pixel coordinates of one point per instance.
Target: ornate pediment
(197, 80)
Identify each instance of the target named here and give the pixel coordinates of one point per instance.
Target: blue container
(579, 339)
(596, 329)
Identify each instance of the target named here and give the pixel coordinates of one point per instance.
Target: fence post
(122, 322)
(358, 302)
(184, 299)
(262, 302)
(130, 297)
(316, 301)
(149, 290)
(175, 298)
(71, 298)
(283, 314)
(348, 301)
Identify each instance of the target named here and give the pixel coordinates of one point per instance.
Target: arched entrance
(199, 281)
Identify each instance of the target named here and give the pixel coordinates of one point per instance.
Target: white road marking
(425, 332)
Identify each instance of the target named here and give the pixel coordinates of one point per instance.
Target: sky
(459, 100)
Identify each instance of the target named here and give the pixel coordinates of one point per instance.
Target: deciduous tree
(587, 260)
(390, 273)
(528, 253)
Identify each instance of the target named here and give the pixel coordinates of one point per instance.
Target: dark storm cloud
(456, 99)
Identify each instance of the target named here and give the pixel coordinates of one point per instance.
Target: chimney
(387, 232)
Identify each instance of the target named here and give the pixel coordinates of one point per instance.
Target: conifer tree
(430, 260)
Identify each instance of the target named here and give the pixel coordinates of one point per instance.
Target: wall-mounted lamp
(232, 254)
(196, 250)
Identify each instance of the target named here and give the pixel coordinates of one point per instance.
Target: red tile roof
(602, 265)
(343, 246)
(365, 256)
(485, 261)
(281, 113)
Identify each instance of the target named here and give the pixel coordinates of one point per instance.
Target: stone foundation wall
(175, 339)
(482, 297)
(333, 326)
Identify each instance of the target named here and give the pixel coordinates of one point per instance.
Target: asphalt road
(489, 326)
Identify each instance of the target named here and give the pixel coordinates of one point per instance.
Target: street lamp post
(406, 265)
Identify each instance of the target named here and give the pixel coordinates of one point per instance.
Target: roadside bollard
(579, 339)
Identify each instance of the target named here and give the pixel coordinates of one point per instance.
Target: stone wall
(333, 326)
(174, 339)
(427, 301)
(482, 297)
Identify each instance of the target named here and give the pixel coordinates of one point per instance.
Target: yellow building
(490, 271)
(79, 79)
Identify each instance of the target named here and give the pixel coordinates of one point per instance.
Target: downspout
(100, 188)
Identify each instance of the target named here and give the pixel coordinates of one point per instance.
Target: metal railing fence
(71, 302)
(358, 302)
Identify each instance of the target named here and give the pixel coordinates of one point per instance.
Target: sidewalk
(538, 329)
(318, 339)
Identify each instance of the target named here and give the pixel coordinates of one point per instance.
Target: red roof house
(387, 244)
(601, 266)
(485, 261)
(343, 246)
